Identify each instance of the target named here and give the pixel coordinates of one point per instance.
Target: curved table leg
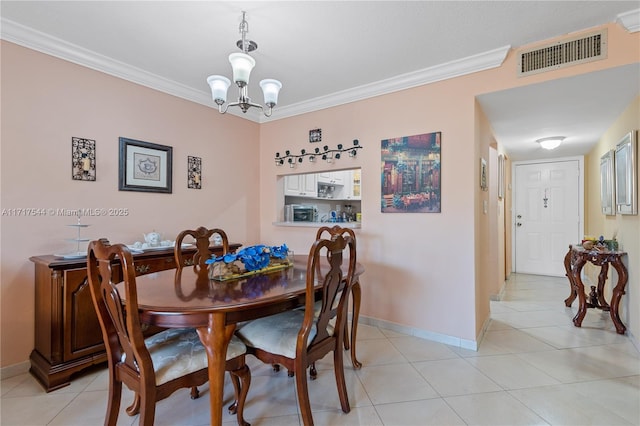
(215, 338)
(567, 267)
(618, 291)
(356, 293)
(578, 288)
(602, 278)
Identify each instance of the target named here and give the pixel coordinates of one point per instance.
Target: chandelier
(242, 65)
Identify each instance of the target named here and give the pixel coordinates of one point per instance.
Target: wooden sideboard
(68, 338)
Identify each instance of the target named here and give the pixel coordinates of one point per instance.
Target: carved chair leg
(241, 379)
(113, 405)
(276, 367)
(303, 397)
(290, 373)
(338, 367)
(313, 373)
(147, 411)
(134, 408)
(233, 408)
(347, 345)
(195, 393)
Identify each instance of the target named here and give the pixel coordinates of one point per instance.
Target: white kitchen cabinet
(353, 186)
(301, 185)
(332, 178)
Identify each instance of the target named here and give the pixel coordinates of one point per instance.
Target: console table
(68, 338)
(574, 260)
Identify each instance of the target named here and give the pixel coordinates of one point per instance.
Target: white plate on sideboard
(74, 255)
(140, 249)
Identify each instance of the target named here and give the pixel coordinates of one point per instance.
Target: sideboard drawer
(148, 266)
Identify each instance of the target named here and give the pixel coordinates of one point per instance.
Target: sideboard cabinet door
(82, 335)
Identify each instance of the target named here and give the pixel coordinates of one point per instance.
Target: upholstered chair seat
(178, 351)
(278, 334)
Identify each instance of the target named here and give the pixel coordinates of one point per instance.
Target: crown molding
(42, 42)
(45, 43)
(483, 61)
(630, 20)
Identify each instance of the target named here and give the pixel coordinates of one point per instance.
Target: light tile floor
(533, 367)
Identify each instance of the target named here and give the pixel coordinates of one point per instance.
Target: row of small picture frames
(83, 163)
(325, 153)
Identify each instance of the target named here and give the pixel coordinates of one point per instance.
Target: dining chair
(338, 230)
(202, 237)
(295, 339)
(155, 367)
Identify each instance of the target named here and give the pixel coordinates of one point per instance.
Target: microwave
(304, 213)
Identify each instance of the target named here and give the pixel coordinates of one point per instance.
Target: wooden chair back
(120, 323)
(272, 339)
(335, 230)
(128, 356)
(336, 283)
(202, 237)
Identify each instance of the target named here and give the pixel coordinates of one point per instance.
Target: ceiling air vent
(564, 53)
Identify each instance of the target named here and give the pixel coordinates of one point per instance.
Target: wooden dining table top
(191, 293)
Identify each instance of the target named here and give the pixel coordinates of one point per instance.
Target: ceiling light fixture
(551, 142)
(242, 65)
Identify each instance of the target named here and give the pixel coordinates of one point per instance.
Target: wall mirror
(607, 187)
(626, 173)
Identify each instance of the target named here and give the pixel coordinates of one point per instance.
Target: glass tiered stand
(80, 242)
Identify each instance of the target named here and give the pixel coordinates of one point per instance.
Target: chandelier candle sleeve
(242, 65)
(270, 88)
(219, 87)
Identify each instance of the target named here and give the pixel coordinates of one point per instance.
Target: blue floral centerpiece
(248, 261)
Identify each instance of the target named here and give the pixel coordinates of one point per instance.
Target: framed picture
(315, 135)
(500, 177)
(410, 175)
(626, 172)
(607, 188)
(483, 175)
(144, 166)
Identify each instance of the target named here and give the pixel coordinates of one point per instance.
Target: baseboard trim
(422, 334)
(14, 370)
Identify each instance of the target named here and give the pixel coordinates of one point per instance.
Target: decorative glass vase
(223, 271)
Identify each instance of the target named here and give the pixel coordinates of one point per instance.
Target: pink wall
(421, 269)
(425, 272)
(45, 102)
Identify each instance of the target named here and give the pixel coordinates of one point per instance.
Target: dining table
(187, 297)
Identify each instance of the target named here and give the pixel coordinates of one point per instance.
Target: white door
(547, 215)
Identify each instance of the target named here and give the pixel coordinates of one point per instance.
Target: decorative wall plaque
(83, 159)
